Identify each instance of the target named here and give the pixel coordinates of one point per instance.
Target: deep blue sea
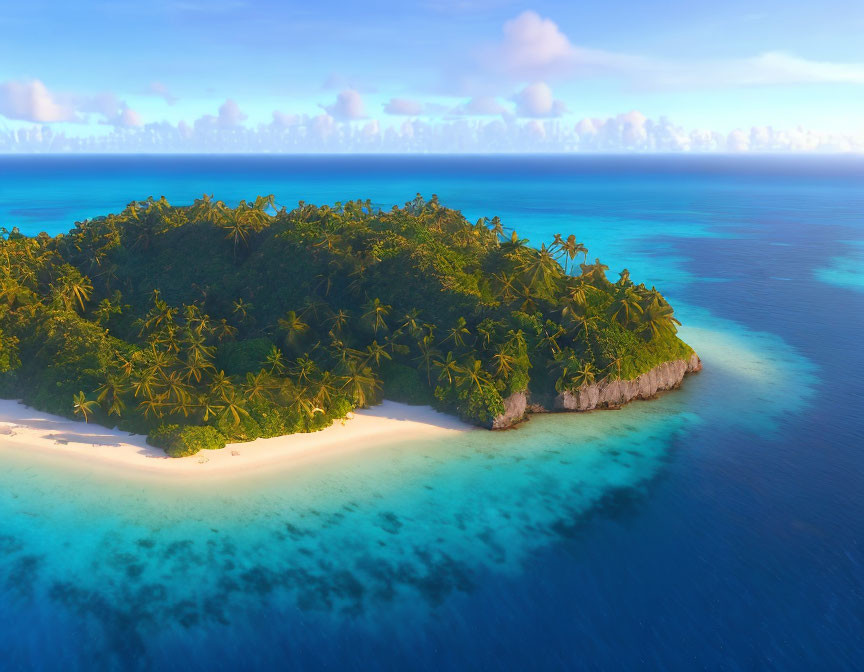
(718, 527)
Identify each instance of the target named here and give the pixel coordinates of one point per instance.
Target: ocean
(717, 527)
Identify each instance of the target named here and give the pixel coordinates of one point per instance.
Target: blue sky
(619, 74)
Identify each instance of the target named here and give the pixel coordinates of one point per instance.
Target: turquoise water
(846, 270)
(717, 526)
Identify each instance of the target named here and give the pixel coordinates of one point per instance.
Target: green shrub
(193, 438)
(247, 429)
(184, 441)
(163, 436)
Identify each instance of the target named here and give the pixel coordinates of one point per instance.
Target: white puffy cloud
(533, 46)
(230, 115)
(348, 106)
(480, 106)
(403, 107)
(32, 101)
(125, 117)
(627, 132)
(536, 100)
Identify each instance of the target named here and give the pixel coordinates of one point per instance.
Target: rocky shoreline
(603, 394)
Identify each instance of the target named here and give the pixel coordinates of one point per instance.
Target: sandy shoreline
(23, 429)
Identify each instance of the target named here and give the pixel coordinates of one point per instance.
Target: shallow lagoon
(715, 524)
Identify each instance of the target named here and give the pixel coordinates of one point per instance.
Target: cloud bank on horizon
(449, 76)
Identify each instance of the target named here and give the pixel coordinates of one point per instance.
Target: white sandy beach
(24, 429)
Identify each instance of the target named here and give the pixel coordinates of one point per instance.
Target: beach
(24, 429)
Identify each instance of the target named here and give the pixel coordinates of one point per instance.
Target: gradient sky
(94, 67)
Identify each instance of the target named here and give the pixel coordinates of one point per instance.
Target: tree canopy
(204, 324)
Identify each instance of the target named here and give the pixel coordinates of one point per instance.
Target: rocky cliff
(604, 394)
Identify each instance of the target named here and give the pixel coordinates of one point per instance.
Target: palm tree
(506, 289)
(145, 384)
(551, 333)
(587, 322)
(516, 341)
(626, 306)
(571, 248)
(541, 270)
(584, 376)
(324, 388)
(485, 331)
(257, 386)
(275, 361)
(579, 292)
(176, 390)
(411, 321)
(376, 352)
(497, 230)
(72, 287)
(151, 406)
(232, 407)
(375, 314)
(196, 368)
(339, 320)
(241, 222)
(457, 333)
(515, 245)
(222, 330)
(360, 383)
(241, 308)
(185, 405)
(81, 406)
(474, 374)
(595, 272)
(197, 348)
(503, 362)
(208, 407)
(293, 326)
(449, 368)
(112, 391)
(658, 319)
(428, 353)
(221, 386)
(205, 210)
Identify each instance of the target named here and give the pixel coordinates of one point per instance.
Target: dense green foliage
(205, 324)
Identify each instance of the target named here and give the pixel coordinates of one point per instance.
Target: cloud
(104, 104)
(125, 117)
(32, 101)
(348, 106)
(767, 69)
(282, 120)
(159, 90)
(339, 82)
(627, 132)
(536, 100)
(480, 106)
(403, 107)
(534, 45)
(230, 115)
(534, 48)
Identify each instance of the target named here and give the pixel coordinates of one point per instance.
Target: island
(204, 325)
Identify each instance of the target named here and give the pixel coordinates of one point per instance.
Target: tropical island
(204, 325)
